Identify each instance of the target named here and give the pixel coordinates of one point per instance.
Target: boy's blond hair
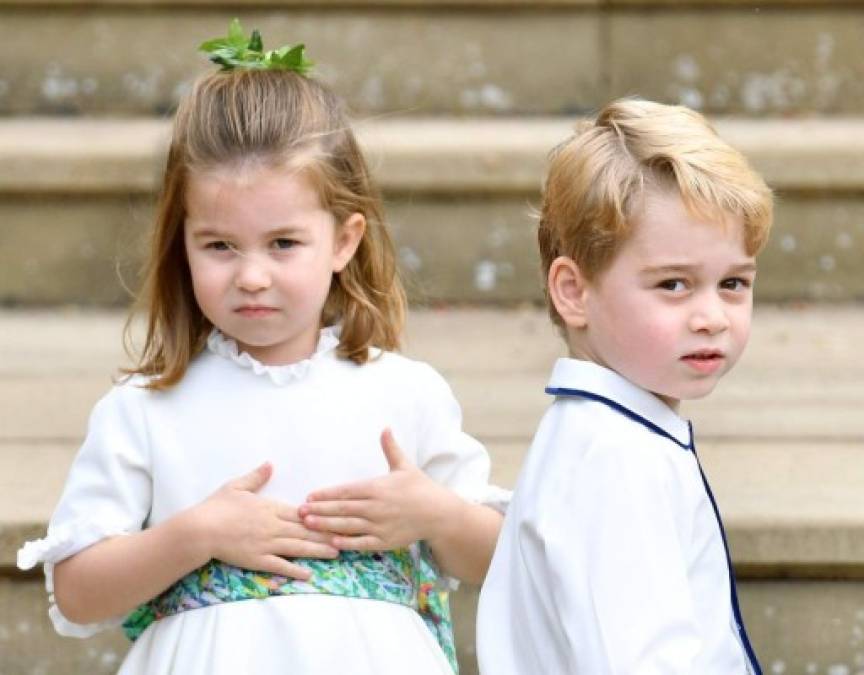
(598, 177)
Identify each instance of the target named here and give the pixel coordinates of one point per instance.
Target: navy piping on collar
(736, 610)
(562, 391)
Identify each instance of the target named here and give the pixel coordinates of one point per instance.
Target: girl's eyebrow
(276, 232)
(206, 233)
(288, 230)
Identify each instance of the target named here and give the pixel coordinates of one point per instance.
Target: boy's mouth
(704, 360)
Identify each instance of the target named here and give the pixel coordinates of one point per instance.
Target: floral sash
(404, 576)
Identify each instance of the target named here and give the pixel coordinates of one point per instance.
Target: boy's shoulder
(608, 406)
(585, 450)
(600, 422)
(598, 429)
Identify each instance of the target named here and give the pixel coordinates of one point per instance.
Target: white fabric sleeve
(107, 493)
(613, 546)
(449, 455)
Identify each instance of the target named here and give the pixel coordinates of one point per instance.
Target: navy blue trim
(648, 424)
(736, 609)
(561, 391)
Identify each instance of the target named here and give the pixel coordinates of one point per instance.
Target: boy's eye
(735, 284)
(672, 285)
(284, 244)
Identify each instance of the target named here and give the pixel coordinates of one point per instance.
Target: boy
(612, 558)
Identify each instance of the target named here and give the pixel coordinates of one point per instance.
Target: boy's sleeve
(449, 455)
(614, 558)
(108, 492)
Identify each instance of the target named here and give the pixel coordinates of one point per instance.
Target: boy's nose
(709, 317)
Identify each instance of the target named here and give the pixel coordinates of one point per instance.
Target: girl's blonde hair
(278, 119)
(598, 177)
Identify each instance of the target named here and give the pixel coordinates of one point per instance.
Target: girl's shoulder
(404, 369)
(128, 392)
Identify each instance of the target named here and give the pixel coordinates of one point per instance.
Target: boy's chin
(673, 396)
(693, 393)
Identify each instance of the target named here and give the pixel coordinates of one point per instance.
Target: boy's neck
(575, 350)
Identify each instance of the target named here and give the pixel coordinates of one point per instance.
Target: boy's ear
(568, 291)
(348, 236)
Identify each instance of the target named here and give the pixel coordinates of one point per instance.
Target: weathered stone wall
(476, 58)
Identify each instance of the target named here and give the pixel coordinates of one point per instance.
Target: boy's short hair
(598, 176)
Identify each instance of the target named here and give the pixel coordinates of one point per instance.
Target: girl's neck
(283, 353)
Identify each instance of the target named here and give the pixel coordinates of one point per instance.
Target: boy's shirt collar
(584, 376)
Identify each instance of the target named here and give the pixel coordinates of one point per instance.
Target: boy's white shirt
(610, 560)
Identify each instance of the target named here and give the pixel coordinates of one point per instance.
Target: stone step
(784, 425)
(786, 469)
(452, 56)
(76, 203)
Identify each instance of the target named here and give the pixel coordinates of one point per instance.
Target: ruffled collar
(220, 344)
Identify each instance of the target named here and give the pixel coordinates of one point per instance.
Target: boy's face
(672, 312)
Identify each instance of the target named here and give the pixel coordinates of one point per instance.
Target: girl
(273, 304)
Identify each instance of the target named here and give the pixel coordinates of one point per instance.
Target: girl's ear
(568, 291)
(348, 236)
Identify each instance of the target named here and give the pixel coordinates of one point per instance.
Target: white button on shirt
(611, 559)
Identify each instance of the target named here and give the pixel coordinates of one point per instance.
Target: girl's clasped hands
(388, 512)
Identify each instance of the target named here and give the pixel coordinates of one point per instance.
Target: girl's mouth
(255, 311)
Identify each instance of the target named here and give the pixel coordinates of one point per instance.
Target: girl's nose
(252, 275)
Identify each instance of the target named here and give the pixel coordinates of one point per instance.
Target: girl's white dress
(148, 455)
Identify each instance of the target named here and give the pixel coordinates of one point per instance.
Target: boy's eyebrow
(741, 268)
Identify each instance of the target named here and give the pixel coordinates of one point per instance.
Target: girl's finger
(254, 480)
(299, 548)
(392, 452)
(288, 512)
(300, 531)
(339, 525)
(361, 490)
(366, 542)
(358, 508)
(276, 565)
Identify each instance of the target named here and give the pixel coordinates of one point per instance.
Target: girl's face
(672, 312)
(262, 253)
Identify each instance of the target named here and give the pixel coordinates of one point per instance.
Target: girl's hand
(244, 529)
(384, 513)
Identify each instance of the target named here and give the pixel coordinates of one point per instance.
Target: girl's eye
(284, 244)
(675, 285)
(735, 284)
(219, 246)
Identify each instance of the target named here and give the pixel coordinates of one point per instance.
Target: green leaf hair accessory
(239, 51)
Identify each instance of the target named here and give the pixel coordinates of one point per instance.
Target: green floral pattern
(404, 576)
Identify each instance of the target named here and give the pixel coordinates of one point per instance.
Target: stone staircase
(458, 102)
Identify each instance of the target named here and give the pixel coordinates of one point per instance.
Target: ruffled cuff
(496, 498)
(489, 495)
(64, 541)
